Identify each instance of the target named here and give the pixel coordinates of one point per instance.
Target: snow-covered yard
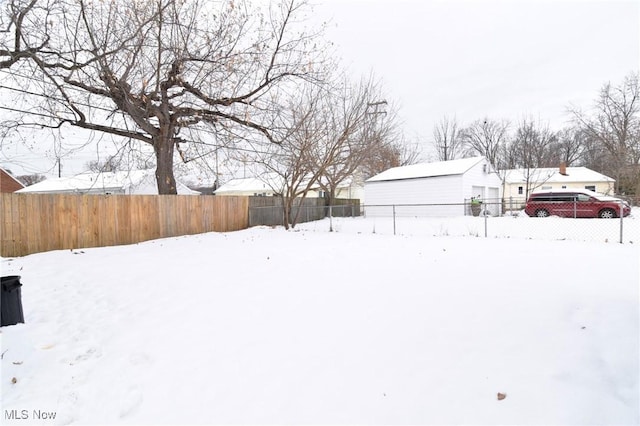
(356, 326)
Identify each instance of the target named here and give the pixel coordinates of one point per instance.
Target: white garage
(442, 188)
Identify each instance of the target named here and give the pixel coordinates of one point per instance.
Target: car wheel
(542, 213)
(607, 214)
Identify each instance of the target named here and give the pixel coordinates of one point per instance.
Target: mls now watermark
(29, 415)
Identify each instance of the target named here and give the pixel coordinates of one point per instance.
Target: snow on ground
(266, 326)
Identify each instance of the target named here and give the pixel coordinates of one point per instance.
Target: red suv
(575, 203)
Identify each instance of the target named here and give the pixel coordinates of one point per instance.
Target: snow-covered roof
(267, 182)
(131, 182)
(422, 170)
(573, 174)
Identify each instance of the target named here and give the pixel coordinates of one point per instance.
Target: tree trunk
(295, 219)
(165, 180)
(286, 212)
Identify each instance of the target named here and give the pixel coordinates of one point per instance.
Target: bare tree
(569, 146)
(595, 156)
(615, 123)
(487, 138)
(358, 121)
(395, 152)
(29, 180)
(291, 172)
(447, 140)
(129, 156)
(18, 41)
(164, 71)
(531, 143)
(331, 134)
(111, 164)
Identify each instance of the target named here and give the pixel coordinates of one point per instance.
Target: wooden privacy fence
(34, 223)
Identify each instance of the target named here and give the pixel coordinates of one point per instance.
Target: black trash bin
(11, 301)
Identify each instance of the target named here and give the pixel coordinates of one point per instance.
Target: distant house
(252, 186)
(269, 185)
(8, 183)
(352, 189)
(519, 183)
(133, 182)
(445, 186)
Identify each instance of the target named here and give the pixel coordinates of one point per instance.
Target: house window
(564, 186)
(590, 187)
(545, 188)
(520, 190)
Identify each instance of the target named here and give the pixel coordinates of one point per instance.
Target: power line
(181, 140)
(216, 147)
(14, 73)
(29, 113)
(54, 98)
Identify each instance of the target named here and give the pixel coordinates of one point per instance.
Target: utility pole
(376, 107)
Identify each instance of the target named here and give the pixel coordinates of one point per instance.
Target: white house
(445, 186)
(519, 183)
(268, 185)
(265, 186)
(351, 189)
(138, 182)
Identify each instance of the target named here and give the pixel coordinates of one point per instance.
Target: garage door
(493, 201)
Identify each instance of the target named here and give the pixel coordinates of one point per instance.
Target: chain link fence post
(486, 216)
(621, 221)
(394, 219)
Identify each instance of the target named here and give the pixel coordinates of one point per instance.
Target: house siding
(433, 191)
(351, 192)
(511, 189)
(477, 177)
(490, 186)
(8, 183)
(576, 178)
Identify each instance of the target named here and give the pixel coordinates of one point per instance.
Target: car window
(563, 197)
(584, 197)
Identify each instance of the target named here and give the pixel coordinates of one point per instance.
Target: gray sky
(471, 59)
(505, 59)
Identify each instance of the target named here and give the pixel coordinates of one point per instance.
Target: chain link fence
(492, 219)
(486, 220)
(274, 215)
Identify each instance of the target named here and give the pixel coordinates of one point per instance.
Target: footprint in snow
(130, 401)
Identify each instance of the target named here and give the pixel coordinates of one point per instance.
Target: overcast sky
(477, 58)
(470, 59)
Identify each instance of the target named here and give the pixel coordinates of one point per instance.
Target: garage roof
(422, 170)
